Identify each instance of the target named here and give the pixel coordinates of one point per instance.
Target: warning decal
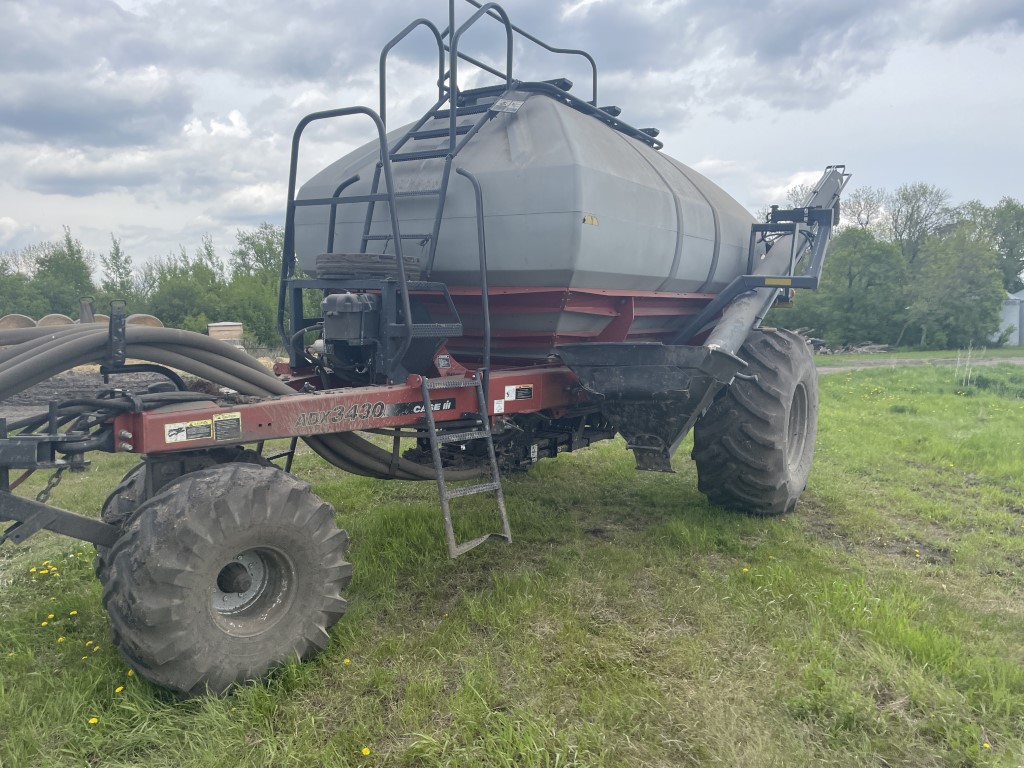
(227, 426)
(184, 431)
(520, 392)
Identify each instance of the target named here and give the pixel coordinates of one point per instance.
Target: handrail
(395, 41)
(484, 296)
(453, 83)
(332, 225)
(288, 249)
(550, 48)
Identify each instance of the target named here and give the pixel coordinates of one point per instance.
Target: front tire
(755, 445)
(223, 575)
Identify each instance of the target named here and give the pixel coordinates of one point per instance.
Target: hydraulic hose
(37, 354)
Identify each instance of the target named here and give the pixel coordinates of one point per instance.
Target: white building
(1013, 316)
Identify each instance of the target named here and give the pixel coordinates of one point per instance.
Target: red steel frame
(621, 308)
(550, 388)
(542, 386)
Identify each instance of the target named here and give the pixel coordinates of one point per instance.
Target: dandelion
(746, 570)
(78, 554)
(44, 624)
(50, 616)
(119, 689)
(84, 658)
(986, 745)
(365, 751)
(131, 672)
(46, 562)
(53, 599)
(347, 661)
(93, 720)
(73, 613)
(32, 569)
(11, 653)
(95, 648)
(60, 639)
(88, 643)
(44, 571)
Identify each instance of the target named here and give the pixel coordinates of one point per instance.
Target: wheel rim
(251, 591)
(796, 434)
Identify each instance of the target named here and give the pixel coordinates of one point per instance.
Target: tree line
(907, 268)
(185, 290)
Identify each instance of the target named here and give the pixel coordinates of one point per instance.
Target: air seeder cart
(516, 274)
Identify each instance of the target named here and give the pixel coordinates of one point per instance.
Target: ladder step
(428, 330)
(426, 285)
(460, 437)
(461, 549)
(426, 154)
(450, 382)
(419, 193)
(439, 133)
(476, 109)
(470, 490)
(404, 237)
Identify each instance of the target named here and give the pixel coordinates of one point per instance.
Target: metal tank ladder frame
(481, 431)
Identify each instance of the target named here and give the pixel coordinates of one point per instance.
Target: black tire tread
(122, 502)
(143, 592)
(740, 442)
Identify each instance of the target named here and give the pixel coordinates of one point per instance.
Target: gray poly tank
(569, 202)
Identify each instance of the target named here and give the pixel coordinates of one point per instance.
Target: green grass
(628, 624)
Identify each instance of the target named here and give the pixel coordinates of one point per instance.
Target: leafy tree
(864, 207)
(118, 281)
(916, 211)
(252, 301)
(1007, 225)
(186, 290)
(956, 298)
(255, 271)
(861, 293)
(258, 252)
(63, 274)
(20, 295)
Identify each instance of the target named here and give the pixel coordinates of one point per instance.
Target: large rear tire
(223, 575)
(755, 445)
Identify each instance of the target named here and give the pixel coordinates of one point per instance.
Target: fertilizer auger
(516, 274)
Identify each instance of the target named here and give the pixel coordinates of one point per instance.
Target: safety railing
(388, 196)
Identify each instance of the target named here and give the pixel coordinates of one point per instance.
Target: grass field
(628, 624)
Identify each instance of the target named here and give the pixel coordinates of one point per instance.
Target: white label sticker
(510, 393)
(499, 406)
(507, 105)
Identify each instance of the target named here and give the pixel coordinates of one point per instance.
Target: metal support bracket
(117, 341)
(31, 516)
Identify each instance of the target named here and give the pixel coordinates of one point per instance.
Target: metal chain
(53, 482)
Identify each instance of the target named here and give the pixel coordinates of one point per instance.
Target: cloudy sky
(162, 120)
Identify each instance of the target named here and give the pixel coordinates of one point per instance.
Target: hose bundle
(36, 354)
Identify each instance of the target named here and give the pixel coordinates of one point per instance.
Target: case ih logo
(404, 409)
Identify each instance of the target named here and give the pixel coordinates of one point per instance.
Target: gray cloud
(101, 108)
(955, 22)
(98, 99)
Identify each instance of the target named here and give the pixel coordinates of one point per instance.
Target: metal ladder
(465, 131)
(481, 431)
